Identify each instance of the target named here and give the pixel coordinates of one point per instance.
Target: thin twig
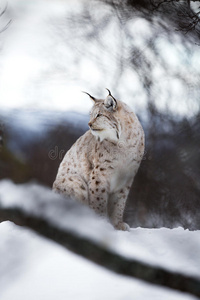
(4, 10)
(6, 26)
(156, 6)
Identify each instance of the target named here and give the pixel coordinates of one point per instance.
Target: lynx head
(103, 122)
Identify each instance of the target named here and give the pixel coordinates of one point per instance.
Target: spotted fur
(100, 167)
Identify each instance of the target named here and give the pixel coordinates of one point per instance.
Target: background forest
(147, 53)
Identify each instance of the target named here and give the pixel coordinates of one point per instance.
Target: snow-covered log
(78, 229)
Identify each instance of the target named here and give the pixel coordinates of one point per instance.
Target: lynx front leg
(98, 195)
(116, 206)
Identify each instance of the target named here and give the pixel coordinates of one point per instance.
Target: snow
(50, 272)
(36, 268)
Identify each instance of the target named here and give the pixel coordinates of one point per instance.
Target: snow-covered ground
(43, 270)
(32, 267)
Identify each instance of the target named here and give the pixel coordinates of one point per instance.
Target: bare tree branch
(157, 4)
(189, 19)
(9, 22)
(6, 26)
(102, 256)
(4, 10)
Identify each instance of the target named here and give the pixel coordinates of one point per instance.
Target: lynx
(100, 167)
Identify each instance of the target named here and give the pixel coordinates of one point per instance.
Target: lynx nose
(90, 124)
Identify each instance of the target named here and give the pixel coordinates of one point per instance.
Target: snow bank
(35, 268)
(64, 213)
(39, 269)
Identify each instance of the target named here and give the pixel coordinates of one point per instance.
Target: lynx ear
(110, 102)
(91, 97)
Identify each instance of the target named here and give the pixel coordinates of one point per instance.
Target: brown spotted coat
(100, 167)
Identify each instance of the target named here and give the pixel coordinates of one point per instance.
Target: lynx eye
(98, 115)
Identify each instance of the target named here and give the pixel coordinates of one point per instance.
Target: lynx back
(99, 169)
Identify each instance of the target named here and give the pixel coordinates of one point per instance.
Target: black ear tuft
(93, 99)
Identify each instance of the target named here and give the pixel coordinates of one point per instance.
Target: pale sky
(38, 65)
(21, 84)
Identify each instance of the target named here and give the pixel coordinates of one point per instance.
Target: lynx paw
(122, 226)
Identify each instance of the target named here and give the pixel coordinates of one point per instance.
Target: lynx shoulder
(99, 169)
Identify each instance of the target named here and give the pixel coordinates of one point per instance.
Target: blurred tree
(140, 50)
(11, 166)
(182, 13)
(46, 153)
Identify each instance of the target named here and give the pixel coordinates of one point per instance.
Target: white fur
(109, 134)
